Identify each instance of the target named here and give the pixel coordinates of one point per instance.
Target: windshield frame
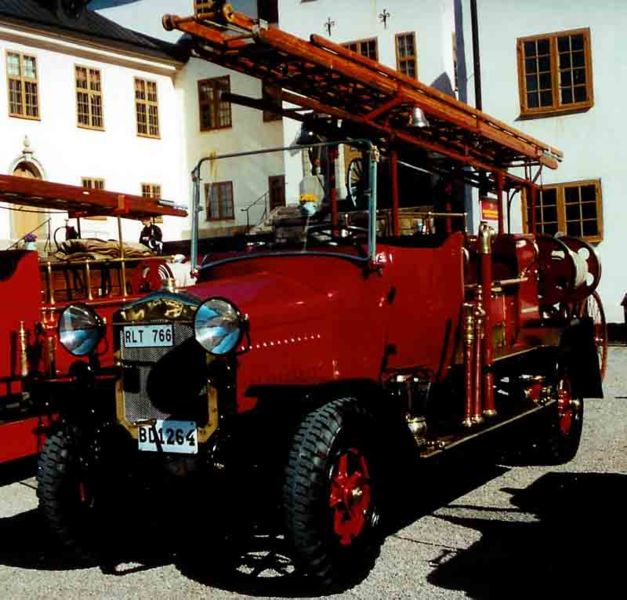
(369, 150)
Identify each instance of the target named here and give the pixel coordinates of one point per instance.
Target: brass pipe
(485, 252)
(122, 257)
(88, 280)
(23, 342)
(469, 342)
(50, 283)
(479, 315)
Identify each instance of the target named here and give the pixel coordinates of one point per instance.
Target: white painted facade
(248, 130)
(432, 21)
(591, 140)
(65, 153)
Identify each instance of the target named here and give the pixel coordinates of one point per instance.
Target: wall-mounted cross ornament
(329, 25)
(384, 16)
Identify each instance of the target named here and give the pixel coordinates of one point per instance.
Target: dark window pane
(531, 65)
(576, 41)
(571, 195)
(543, 46)
(549, 213)
(566, 78)
(578, 59)
(589, 210)
(579, 76)
(549, 197)
(532, 83)
(550, 228)
(545, 81)
(530, 48)
(565, 61)
(580, 94)
(532, 100)
(563, 43)
(544, 63)
(588, 193)
(590, 228)
(573, 212)
(546, 99)
(567, 96)
(574, 228)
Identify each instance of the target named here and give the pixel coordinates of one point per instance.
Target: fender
(578, 356)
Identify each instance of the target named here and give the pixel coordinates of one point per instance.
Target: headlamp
(218, 326)
(80, 329)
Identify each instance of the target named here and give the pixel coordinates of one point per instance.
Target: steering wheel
(149, 276)
(351, 233)
(356, 182)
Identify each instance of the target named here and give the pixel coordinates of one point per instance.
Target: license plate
(148, 336)
(180, 437)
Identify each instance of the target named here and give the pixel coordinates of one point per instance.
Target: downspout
(475, 53)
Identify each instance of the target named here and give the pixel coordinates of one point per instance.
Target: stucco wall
(118, 155)
(591, 140)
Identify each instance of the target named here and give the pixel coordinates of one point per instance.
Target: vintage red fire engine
(300, 365)
(39, 368)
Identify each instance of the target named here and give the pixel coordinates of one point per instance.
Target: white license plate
(148, 336)
(180, 437)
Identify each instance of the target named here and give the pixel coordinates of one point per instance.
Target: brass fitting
(23, 342)
(485, 238)
(469, 323)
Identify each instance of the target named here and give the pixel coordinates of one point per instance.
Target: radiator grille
(140, 362)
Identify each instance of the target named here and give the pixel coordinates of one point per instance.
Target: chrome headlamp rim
(234, 342)
(98, 328)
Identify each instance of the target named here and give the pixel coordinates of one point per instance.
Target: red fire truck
(373, 326)
(37, 368)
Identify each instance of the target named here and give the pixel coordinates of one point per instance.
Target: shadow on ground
(573, 548)
(258, 565)
(567, 542)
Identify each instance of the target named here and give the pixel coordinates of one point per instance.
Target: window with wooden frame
(214, 112)
(147, 108)
(574, 208)
(406, 62)
(89, 98)
(555, 73)
(367, 48)
(219, 201)
(94, 183)
(152, 191)
(22, 86)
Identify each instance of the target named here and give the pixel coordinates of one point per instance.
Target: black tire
(335, 541)
(65, 498)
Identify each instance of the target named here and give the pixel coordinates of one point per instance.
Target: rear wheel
(593, 307)
(565, 426)
(331, 494)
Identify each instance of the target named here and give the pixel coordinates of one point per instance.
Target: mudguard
(578, 355)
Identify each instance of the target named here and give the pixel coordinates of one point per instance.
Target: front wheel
(66, 498)
(331, 494)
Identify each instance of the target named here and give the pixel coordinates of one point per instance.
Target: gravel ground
(499, 532)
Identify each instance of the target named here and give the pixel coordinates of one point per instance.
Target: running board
(437, 447)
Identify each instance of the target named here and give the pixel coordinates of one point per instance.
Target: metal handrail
(263, 197)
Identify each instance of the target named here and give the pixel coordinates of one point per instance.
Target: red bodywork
(34, 293)
(317, 319)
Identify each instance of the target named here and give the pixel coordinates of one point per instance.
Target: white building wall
(248, 131)
(118, 155)
(591, 140)
(431, 20)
